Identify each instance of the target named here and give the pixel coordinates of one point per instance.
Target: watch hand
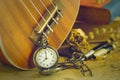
(45, 57)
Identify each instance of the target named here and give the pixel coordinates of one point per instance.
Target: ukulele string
(48, 10)
(52, 3)
(37, 10)
(28, 10)
(40, 15)
(32, 16)
(55, 7)
(45, 7)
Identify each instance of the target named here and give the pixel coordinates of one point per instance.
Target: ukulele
(22, 22)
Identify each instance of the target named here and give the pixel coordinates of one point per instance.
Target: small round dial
(46, 57)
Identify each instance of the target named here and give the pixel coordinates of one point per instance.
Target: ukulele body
(16, 25)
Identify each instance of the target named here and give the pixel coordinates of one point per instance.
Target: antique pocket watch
(45, 58)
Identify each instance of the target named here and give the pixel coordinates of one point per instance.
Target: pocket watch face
(46, 57)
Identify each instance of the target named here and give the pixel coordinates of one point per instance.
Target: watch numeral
(52, 60)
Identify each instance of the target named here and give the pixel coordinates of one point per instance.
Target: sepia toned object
(19, 18)
(78, 39)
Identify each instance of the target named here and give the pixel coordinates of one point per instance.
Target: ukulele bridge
(48, 21)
